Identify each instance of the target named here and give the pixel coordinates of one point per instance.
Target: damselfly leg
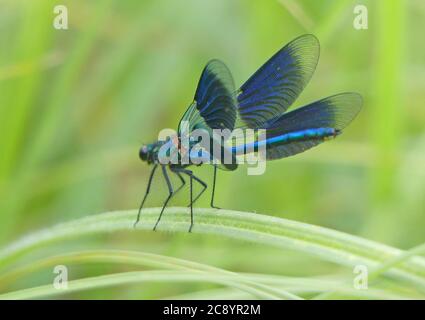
(146, 195)
(192, 200)
(182, 181)
(213, 189)
(170, 193)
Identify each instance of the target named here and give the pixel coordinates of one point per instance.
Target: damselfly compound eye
(143, 153)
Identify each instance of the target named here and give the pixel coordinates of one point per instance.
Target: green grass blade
(327, 244)
(130, 278)
(147, 260)
(393, 262)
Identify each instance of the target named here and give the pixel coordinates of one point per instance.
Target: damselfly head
(143, 153)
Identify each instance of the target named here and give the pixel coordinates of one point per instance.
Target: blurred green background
(76, 104)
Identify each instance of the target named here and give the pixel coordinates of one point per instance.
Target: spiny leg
(146, 195)
(204, 185)
(191, 203)
(170, 190)
(181, 179)
(190, 174)
(213, 189)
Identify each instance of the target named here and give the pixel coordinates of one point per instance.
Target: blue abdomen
(286, 138)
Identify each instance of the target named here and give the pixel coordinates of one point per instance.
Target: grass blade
(327, 244)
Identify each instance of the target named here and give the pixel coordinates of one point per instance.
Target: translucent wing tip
(346, 107)
(306, 45)
(307, 38)
(305, 51)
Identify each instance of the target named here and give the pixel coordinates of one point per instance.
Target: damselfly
(260, 103)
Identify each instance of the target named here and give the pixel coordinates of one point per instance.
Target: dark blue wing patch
(271, 90)
(334, 112)
(214, 105)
